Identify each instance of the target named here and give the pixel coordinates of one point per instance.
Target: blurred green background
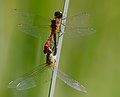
(92, 60)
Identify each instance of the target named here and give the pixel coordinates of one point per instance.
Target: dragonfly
(29, 80)
(55, 26)
(76, 26)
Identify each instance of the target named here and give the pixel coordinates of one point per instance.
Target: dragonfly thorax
(50, 59)
(53, 23)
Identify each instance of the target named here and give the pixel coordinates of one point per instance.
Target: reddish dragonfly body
(55, 26)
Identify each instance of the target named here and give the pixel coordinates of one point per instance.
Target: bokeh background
(93, 60)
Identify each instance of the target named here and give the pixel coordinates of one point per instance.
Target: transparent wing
(79, 32)
(26, 17)
(76, 26)
(73, 83)
(79, 25)
(33, 30)
(29, 80)
(78, 20)
(31, 24)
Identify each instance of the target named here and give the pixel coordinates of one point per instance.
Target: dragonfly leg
(61, 34)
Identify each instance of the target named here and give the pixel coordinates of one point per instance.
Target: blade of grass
(54, 74)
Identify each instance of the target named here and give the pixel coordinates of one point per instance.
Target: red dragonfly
(77, 25)
(32, 79)
(55, 26)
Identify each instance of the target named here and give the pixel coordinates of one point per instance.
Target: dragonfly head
(58, 14)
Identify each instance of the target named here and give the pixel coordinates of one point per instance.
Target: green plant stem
(54, 73)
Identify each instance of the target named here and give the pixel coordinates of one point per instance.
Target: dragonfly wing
(73, 83)
(33, 30)
(26, 17)
(28, 80)
(14, 83)
(22, 83)
(78, 20)
(30, 23)
(79, 31)
(79, 25)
